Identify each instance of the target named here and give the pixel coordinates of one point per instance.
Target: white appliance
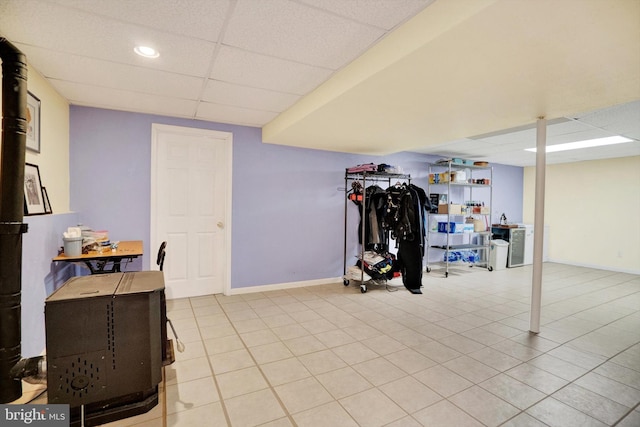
(528, 243)
(520, 246)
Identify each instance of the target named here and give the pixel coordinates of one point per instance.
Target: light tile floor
(458, 355)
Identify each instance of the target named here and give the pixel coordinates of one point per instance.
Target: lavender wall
(110, 160)
(507, 192)
(287, 211)
(285, 200)
(287, 214)
(40, 276)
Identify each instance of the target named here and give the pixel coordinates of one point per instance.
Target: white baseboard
(595, 266)
(282, 286)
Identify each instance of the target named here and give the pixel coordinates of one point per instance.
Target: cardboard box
(451, 209)
(458, 176)
(482, 210)
(436, 199)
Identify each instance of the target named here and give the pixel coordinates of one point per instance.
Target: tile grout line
(213, 374)
(296, 357)
(626, 415)
(543, 353)
(270, 386)
(410, 312)
(546, 352)
(572, 382)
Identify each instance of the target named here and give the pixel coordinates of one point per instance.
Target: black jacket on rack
(375, 201)
(406, 204)
(398, 211)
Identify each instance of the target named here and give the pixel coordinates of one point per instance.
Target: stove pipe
(12, 156)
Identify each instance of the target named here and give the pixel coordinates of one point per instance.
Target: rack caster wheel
(446, 274)
(428, 269)
(363, 289)
(345, 282)
(490, 268)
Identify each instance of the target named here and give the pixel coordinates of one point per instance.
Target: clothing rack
(366, 177)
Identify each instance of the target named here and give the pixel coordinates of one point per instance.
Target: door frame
(227, 137)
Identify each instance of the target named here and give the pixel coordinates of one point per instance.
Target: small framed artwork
(47, 203)
(33, 123)
(33, 195)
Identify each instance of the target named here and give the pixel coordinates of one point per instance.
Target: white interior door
(191, 208)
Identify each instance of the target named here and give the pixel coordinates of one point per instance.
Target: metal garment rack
(365, 177)
(467, 187)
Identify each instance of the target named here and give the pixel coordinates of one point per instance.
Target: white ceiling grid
(234, 61)
(509, 147)
(252, 62)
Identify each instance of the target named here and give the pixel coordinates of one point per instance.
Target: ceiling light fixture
(598, 142)
(147, 52)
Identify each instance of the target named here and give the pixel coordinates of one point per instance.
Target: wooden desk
(97, 261)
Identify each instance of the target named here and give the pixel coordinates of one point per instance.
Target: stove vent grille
(79, 377)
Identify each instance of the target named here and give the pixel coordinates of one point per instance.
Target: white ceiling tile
(575, 129)
(470, 145)
(113, 75)
(242, 96)
(14, 13)
(520, 136)
(95, 37)
(508, 148)
(288, 30)
(201, 19)
(113, 99)
(619, 150)
(235, 115)
(623, 119)
(571, 126)
(383, 14)
(514, 159)
(578, 136)
(250, 69)
(84, 48)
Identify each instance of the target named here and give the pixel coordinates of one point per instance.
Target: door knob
(220, 224)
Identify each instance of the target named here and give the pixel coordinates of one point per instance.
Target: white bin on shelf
(498, 254)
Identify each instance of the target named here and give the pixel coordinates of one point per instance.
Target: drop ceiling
(464, 78)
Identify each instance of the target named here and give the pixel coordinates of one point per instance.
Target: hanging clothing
(373, 210)
(397, 211)
(405, 220)
(410, 254)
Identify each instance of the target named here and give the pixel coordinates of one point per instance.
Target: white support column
(538, 225)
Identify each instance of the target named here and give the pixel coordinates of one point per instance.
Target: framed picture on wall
(33, 123)
(45, 199)
(33, 195)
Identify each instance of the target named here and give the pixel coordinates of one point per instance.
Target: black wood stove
(106, 345)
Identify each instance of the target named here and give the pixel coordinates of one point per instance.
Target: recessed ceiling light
(598, 142)
(146, 51)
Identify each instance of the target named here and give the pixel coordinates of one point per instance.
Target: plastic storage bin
(498, 254)
(454, 227)
(72, 246)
